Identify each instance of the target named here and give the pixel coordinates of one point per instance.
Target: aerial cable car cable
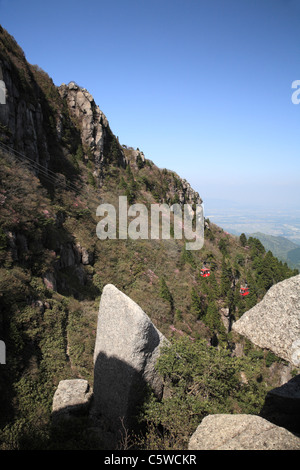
(36, 165)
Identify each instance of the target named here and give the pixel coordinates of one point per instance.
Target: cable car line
(46, 172)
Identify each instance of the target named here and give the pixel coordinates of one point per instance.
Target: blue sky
(202, 87)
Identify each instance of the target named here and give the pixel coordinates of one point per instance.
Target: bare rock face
(72, 397)
(23, 119)
(94, 126)
(92, 121)
(274, 323)
(127, 347)
(187, 194)
(241, 432)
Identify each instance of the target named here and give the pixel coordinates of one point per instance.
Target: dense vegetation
(282, 248)
(201, 380)
(49, 297)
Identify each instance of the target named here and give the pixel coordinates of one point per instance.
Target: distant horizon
(251, 206)
(251, 219)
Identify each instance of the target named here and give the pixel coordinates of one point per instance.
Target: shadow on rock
(282, 406)
(119, 392)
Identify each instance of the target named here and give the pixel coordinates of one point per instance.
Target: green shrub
(165, 293)
(200, 380)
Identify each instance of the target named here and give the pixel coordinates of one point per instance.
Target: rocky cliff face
(41, 120)
(22, 116)
(48, 124)
(93, 124)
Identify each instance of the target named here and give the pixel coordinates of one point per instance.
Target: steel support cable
(49, 175)
(36, 165)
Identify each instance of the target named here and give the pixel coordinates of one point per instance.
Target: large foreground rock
(126, 350)
(241, 432)
(274, 323)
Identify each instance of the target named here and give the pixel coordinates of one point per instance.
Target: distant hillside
(293, 258)
(281, 247)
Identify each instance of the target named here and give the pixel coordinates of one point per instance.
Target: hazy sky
(202, 87)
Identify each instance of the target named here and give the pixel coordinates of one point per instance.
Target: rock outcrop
(187, 194)
(94, 127)
(92, 121)
(127, 347)
(241, 432)
(274, 323)
(72, 397)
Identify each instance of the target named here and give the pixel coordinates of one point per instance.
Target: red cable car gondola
(244, 290)
(204, 272)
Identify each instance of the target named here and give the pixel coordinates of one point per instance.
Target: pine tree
(223, 247)
(226, 277)
(187, 257)
(214, 291)
(243, 239)
(212, 317)
(79, 153)
(122, 183)
(196, 304)
(165, 293)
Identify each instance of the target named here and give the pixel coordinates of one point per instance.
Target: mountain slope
(284, 249)
(293, 258)
(59, 160)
